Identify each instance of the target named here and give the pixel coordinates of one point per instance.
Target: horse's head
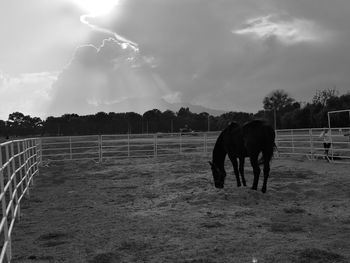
(219, 175)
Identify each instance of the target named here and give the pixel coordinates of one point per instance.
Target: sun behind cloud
(96, 7)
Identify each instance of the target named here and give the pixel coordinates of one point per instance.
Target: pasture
(166, 209)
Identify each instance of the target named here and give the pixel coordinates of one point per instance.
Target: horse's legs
(235, 168)
(266, 174)
(256, 169)
(241, 170)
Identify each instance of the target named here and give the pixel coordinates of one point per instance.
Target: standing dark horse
(238, 142)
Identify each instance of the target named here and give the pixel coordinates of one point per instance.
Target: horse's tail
(270, 147)
(275, 148)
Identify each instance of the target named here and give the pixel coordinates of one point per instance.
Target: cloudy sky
(83, 56)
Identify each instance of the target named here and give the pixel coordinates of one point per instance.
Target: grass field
(166, 210)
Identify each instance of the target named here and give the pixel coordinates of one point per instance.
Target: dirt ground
(167, 210)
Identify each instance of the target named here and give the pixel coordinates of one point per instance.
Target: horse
(238, 142)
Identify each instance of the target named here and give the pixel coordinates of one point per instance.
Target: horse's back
(258, 132)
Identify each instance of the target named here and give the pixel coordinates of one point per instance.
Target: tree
(279, 102)
(15, 122)
(20, 124)
(134, 122)
(151, 119)
(168, 121)
(3, 130)
(184, 113)
(322, 96)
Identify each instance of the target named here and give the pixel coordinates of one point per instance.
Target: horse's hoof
(263, 190)
(254, 188)
(238, 185)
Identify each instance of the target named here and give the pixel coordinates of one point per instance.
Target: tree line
(279, 109)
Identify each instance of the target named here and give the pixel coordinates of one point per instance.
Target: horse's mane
(225, 140)
(255, 124)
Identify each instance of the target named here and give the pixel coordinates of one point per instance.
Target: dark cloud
(191, 50)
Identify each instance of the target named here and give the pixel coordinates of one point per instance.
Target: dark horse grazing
(239, 142)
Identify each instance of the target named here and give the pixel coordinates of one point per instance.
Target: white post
(20, 165)
(25, 161)
(40, 151)
(330, 135)
(311, 144)
(292, 133)
(29, 170)
(276, 143)
(128, 145)
(34, 158)
(208, 122)
(12, 153)
(155, 145)
(100, 148)
(37, 155)
(180, 143)
(31, 161)
(8, 169)
(70, 148)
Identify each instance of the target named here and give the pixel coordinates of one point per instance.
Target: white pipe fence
(302, 142)
(307, 142)
(106, 147)
(19, 163)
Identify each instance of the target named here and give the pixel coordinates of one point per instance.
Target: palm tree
(277, 101)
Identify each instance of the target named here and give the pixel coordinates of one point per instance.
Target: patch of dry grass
(167, 210)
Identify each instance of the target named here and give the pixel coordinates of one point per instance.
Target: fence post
(101, 148)
(276, 144)
(12, 154)
(7, 239)
(180, 143)
(37, 156)
(100, 154)
(311, 145)
(20, 164)
(25, 162)
(292, 133)
(31, 162)
(8, 169)
(70, 148)
(41, 151)
(128, 144)
(155, 145)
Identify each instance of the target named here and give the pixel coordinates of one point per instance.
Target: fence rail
(19, 163)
